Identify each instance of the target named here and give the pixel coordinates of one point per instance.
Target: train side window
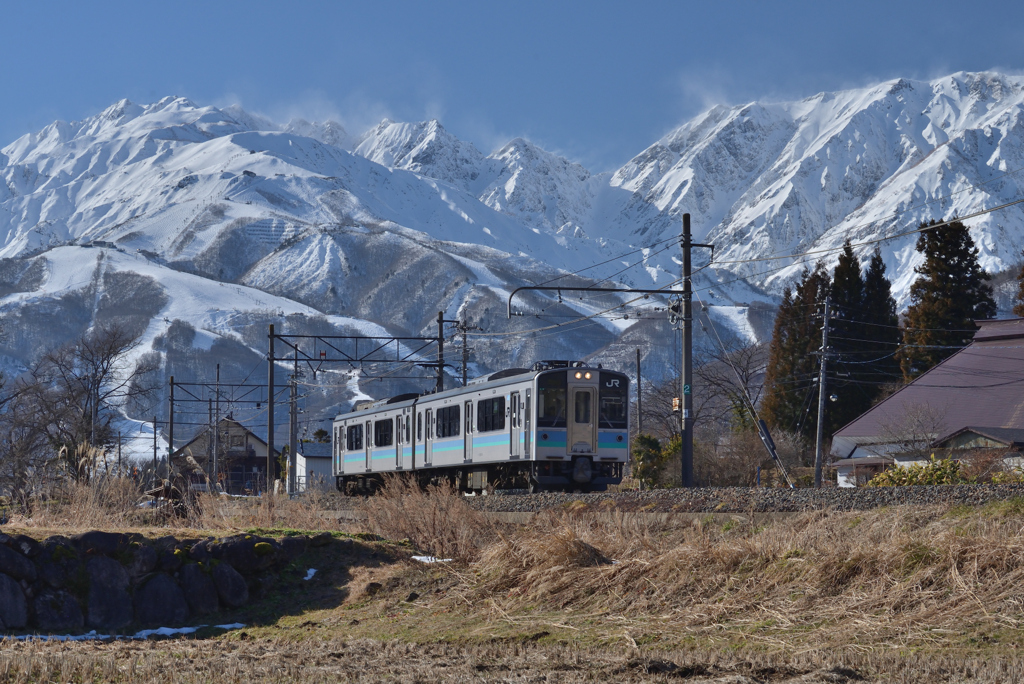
(354, 438)
(490, 414)
(408, 422)
(448, 421)
(384, 432)
(430, 423)
(419, 427)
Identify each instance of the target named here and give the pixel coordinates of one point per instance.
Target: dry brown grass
(914, 594)
(102, 503)
(436, 520)
(848, 580)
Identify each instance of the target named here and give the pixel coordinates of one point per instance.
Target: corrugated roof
(980, 385)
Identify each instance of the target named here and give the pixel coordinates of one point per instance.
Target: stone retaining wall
(108, 581)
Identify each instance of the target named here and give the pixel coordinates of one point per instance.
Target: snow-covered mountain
(173, 214)
(771, 179)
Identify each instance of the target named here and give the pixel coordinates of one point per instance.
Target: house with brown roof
(241, 458)
(973, 399)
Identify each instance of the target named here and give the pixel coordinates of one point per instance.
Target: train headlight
(578, 375)
(587, 375)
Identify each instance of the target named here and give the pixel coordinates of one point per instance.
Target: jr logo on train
(558, 426)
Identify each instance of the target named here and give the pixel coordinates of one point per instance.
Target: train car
(559, 425)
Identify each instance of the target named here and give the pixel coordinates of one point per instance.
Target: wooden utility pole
(819, 440)
(154, 450)
(270, 414)
(293, 425)
(440, 351)
(639, 397)
(686, 376)
(170, 431)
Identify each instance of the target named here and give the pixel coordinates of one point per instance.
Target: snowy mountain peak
(328, 132)
(425, 147)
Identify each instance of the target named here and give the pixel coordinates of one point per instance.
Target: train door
(368, 442)
(428, 437)
(468, 432)
(417, 442)
(527, 423)
(582, 422)
(399, 443)
(515, 426)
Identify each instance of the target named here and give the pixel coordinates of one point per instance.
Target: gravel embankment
(747, 499)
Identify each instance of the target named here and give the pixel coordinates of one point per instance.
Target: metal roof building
(979, 390)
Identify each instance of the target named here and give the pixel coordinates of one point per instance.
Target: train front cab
(582, 430)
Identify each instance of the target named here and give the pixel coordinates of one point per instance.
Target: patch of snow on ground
(431, 559)
(735, 317)
(143, 634)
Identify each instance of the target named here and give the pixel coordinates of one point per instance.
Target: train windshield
(551, 400)
(613, 400)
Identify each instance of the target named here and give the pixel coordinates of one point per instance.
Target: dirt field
(904, 594)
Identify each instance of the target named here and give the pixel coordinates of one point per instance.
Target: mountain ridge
(381, 230)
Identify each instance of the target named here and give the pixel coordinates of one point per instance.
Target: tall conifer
(792, 363)
(951, 292)
(847, 340)
(881, 325)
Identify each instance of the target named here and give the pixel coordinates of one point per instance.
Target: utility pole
(463, 327)
(686, 377)
(170, 432)
(465, 352)
(216, 428)
(639, 397)
(209, 435)
(119, 453)
(440, 351)
(270, 414)
(293, 425)
(154, 450)
(821, 394)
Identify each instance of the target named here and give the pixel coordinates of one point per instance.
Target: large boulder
(200, 590)
(110, 604)
(160, 601)
(231, 586)
(57, 611)
(246, 553)
(16, 565)
(200, 551)
(26, 545)
(144, 560)
(293, 547)
(59, 562)
(13, 607)
(101, 543)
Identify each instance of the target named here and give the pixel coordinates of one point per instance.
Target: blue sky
(596, 81)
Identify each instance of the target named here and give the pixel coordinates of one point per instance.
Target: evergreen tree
(950, 293)
(1018, 301)
(847, 338)
(792, 363)
(863, 338)
(881, 327)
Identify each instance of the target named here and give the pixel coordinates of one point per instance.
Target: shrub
(945, 471)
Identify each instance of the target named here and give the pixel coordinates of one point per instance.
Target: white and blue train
(560, 425)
